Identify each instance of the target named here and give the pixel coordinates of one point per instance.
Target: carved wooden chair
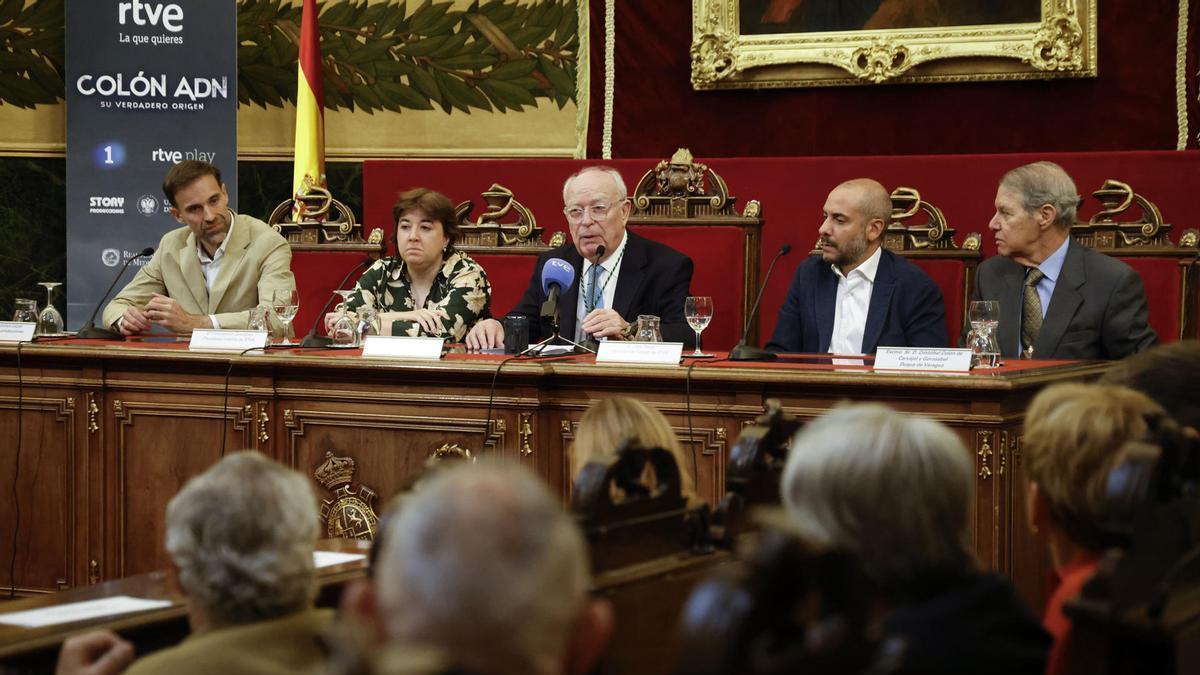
(1168, 270)
(687, 206)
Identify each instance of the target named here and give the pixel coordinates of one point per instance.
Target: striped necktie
(595, 292)
(1031, 312)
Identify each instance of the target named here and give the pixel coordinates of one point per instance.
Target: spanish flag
(309, 168)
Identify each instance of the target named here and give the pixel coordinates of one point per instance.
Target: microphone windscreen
(557, 271)
(149, 250)
(785, 249)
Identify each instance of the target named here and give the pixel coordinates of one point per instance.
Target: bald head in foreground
(482, 564)
(857, 296)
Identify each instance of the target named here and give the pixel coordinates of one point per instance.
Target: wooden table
(36, 649)
(108, 432)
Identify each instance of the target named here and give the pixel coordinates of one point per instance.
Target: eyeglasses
(597, 211)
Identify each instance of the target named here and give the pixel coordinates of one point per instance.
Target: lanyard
(587, 297)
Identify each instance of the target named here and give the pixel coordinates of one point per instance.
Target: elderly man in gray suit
(1058, 298)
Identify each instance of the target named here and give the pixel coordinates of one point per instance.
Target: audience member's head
(612, 422)
(241, 536)
(1166, 373)
(482, 563)
(893, 488)
(1075, 434)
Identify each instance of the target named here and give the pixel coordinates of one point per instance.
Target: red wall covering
(1130, 106)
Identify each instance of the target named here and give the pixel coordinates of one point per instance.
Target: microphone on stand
(557, 274)
(311, 339)
(89, 329)
(744, 352)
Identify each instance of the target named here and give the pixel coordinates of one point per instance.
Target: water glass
(698, 310)
(285, 302)
(25, 310)
(258, 319)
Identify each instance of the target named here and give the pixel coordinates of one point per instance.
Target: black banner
(149, 84)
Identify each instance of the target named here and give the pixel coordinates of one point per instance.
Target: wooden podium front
(108, 433)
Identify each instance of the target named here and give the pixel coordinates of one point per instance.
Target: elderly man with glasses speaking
(616, 274)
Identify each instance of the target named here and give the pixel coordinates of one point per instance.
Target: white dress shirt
(853, 301)
(211, 267)
(610, 268)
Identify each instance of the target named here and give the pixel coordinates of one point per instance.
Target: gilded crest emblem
(351, 512)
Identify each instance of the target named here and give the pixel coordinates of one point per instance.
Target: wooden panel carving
(153, 459)
(44, 471)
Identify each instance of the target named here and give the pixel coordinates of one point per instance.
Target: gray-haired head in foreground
(483, 563)
(1043, 183)
(242, 536)
(893, 488)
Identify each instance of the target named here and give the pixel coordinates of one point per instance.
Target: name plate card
(396, 347)
(923, 358)
(17, 331)
(619, 351)
(217, 340)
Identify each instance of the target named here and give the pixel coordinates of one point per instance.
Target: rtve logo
(151, 13)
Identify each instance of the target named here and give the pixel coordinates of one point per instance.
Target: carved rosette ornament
(713, 58)
(1059, 43)
(881, 61)
(351, 512)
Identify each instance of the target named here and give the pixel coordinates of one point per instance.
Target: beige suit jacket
(257, 261)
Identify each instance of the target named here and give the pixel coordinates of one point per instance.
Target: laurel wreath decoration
(496, 56)
(31, 53)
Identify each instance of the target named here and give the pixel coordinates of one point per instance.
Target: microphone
(557, 274)
(311, 339)
(600, 251)
(89, 329)
(744, 352)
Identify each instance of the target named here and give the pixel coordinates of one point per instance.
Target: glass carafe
(344, 331)
(648, 329)
(985, 320)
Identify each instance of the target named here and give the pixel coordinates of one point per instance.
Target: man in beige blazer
(209, 273)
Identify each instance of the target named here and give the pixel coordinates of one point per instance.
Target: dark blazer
(1098, 309)
(906, 309)
(654, 279)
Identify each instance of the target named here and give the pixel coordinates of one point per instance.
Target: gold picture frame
(725, 54)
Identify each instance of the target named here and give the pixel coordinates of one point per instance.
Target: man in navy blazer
(620, 273)
(858, 296)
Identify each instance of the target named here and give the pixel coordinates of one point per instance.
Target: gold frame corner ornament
(1063, 44)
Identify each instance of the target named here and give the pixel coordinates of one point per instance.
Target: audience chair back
(786, 608)
(649, 522)
(755, 468)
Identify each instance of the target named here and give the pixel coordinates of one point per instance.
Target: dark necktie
(1031, 312)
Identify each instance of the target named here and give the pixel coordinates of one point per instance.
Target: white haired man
(484, 566)
(1058, 298)
(896, 493)
(620, 274)
(241, 537)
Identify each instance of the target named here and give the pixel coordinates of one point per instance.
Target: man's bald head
(874, 201)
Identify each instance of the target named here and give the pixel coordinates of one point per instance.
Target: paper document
(80, 611)
(330, 558)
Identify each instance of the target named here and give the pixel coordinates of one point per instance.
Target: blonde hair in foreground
(611, 422)
(1075, 434)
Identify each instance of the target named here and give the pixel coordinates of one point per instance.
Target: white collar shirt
(609, 269)
(211, 266)
(853, 301)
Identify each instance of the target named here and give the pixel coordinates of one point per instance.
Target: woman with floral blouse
(428, 288)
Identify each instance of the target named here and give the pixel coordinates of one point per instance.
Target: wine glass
(50, 322)
(699, 311)
(985, 318)
(285, 302)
